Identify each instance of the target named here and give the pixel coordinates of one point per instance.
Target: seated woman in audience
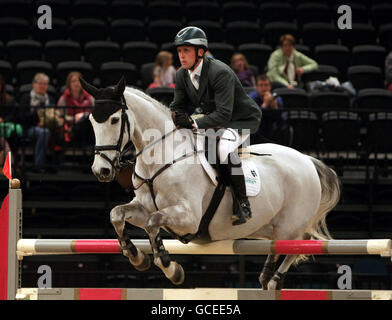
(79, 104)
(164, 73)
(286, 65)
(29, 103)
(241, 68)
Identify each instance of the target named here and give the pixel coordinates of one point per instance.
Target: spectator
(286, 65)
(164, 73)
(272, 121)
(388, 71)
(241, 68)
(79, 103)
(37, 97)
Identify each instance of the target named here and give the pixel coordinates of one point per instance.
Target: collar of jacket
(198, 94)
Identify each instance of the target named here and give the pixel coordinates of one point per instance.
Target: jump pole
(382, 247)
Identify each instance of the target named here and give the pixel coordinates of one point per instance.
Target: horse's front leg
(178, 216)
(135, 214)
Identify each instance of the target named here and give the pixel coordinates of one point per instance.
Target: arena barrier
(14, 248)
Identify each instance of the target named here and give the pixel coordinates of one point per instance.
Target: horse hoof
(178, 276)
(272, 285)
(145, 264)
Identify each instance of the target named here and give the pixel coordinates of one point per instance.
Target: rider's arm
(181, 99)
(223, 86)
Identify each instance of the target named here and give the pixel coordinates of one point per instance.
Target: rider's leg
(227, 149)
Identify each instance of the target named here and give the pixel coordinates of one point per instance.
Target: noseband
(116, 147)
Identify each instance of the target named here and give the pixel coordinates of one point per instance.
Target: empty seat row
(229, 11)
(374, 98)
(160, 31)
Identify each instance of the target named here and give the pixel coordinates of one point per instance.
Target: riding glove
(182, 120)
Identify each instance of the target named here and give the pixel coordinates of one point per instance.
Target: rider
(210, 88)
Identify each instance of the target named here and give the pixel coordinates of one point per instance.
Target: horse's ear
(88, 87)
(120, 87)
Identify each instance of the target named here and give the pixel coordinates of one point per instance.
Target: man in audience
(272, 121)
(286, 65)
(37, 97)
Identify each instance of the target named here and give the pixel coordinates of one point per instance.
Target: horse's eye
(115, 120)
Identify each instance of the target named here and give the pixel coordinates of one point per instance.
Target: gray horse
(297, 191)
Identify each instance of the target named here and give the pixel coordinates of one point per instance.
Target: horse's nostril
(105, 171)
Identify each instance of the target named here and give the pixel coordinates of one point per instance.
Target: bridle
(116, 147)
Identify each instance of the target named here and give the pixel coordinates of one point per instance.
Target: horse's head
(111, 126)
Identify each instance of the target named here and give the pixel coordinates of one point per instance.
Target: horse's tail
(330, 195)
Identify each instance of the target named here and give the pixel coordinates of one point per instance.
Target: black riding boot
(241, 205)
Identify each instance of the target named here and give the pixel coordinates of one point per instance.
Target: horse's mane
(145, 96)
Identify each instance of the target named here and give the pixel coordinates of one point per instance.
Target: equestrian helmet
(191, 36)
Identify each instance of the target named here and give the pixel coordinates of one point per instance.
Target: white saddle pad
(252, 176)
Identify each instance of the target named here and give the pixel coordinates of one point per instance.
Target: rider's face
(187, 56)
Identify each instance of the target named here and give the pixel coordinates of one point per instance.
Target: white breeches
(229, 142)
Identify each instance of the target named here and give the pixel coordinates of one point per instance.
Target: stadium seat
(20, 50)
(373, 99)
(305, 127)
(111, 73)
(319, 33)
(84, 30)
(61, 9)
(139, 53)
(2, 51)
(124, 30)
(26, 88)
(274, 30)
(62, 50)
(64, 68)
(329, 100)
(313, 12)
(276, 11)
(99, 52)
(14, 29)
(359, 34)
(363, 77)
(161, 31)
(240, 32)
(304, 49)
(146, 74)
(213, 29)
(89, 9)
(59, 31)
(371, 55)
(6, 71)
(334, 55)
(16, 9)
(381, 13)
(164, 10)
(341, 131)
(293, 98)
(125, 9)
(26, 70)
(169, 46)
(239, 11)
(163, 95)
(202, 10)
(256, 53)
(385, 33)
(360, 13)
(322, 73)
(379, 132)
(221, 51)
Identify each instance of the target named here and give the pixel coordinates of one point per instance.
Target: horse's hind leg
(276, 283)
(133, 213)
(268, 270)
(175, 216)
